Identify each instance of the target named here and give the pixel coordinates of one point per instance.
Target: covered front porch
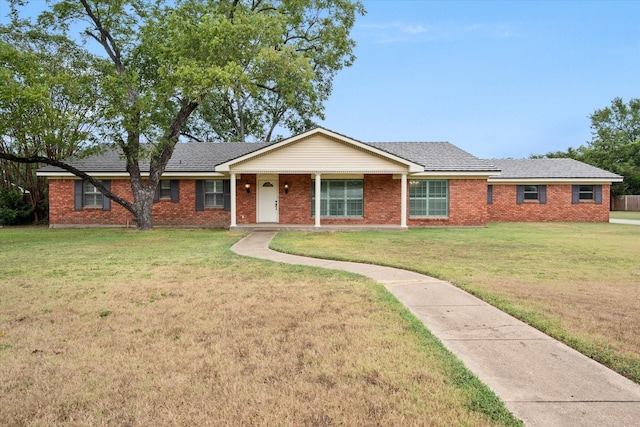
(319, 179)
(372, 201)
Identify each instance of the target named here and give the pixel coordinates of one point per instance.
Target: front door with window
(268, 200)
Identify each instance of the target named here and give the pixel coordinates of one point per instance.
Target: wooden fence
(625, 203)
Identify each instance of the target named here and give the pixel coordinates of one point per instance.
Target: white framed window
(339, 198)
(586, 192)
(531, 192)
(91, 197)
(429, 198)
(214, 193)
(165, 189)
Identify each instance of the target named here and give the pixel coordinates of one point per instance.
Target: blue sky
(498, 79)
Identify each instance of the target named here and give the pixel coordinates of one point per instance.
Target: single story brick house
(401, 184)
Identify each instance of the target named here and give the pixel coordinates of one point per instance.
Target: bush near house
(14, 210)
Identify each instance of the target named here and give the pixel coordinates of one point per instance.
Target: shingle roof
(433, 156)
(436, 156)
(549, 169)
(187, 157)
(203, 157)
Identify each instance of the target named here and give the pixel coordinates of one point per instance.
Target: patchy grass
(112, 327)
(576, 282)
(624, 215)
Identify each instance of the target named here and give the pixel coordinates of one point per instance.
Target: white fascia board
(124, 175)
(554, 180)
(191, 174)
(66, 174)
(453, 174)
(319, 171)
(413, 167)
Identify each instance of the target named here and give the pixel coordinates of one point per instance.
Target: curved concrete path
(624, 221)
(542, 381)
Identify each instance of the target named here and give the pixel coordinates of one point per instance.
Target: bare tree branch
(75, 171)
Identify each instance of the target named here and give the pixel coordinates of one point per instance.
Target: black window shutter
(226, 194)
(199, 195)
(519, 194)
(542, 194)
(598, 195)
(77, 194)
(175, 191)
(106, 202)
(575, 194)
(489, 194)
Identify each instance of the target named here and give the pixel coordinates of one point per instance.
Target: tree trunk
(143, 204)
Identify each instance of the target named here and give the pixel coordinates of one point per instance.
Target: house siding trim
(316, 139)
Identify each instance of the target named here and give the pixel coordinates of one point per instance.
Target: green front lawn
(169, 327)
(576, 282)
(624, 215)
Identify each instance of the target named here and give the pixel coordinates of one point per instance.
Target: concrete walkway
(541, 381)
(624, 221)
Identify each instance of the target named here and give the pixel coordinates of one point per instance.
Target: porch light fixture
(286, 188)
(248, 187)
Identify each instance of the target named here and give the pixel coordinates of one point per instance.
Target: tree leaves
(147, 66)
(615, 144)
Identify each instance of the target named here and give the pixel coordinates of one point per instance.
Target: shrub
(14, 210)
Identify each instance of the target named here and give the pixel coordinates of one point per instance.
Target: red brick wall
(467, 198)
(467, 205)
(557, 209)
(381, 195)
(165, 213)
(61, 206)
(295, 206)
(246, 202)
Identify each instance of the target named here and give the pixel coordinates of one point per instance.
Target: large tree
(159, 61)
(615, 144)
(46, 104)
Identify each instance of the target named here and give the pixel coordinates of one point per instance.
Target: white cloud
(399, 32)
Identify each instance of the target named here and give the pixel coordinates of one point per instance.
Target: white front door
(268, 200)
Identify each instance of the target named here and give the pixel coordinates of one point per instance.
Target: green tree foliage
(46, 103)
(308, 39)
(272, 60)
(615, 144)
(14, 210)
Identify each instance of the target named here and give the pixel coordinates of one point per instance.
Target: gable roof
(211, 158)
(562, 169)
(421, 158)
(329, 136)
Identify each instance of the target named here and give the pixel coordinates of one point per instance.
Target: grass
(112, 327)
(625, 215)
(576, 282)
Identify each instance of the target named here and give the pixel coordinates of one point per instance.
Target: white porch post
(318, 197)
(403, 201)
(233, 200)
